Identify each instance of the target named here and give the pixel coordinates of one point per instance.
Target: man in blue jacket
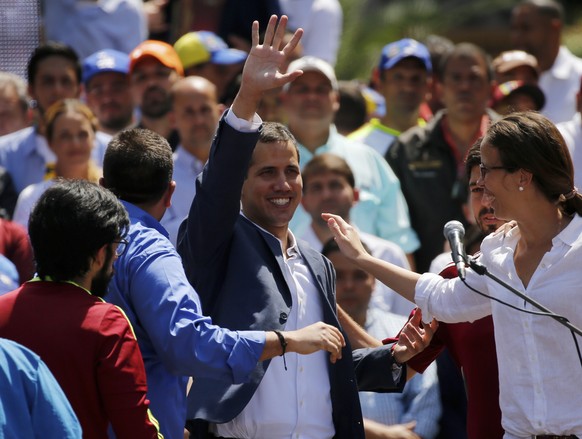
(176, 340)
(251, 273)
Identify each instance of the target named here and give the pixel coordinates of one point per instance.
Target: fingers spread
(292, 44)
(270, 31)
(280, 32)
(255, 34)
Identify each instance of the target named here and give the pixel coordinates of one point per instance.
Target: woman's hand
(346, 236)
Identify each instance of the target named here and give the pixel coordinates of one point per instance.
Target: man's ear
(31, 93)
(307, 206)
(556, 25)
(167, 197)
(172, 118)
(100, 257)
(336, 102)
(376, 79)
(356, 196)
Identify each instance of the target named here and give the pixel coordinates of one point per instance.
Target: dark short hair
(138, 166)
(72, 220)
(327, 162)
(438, 46)
(273, 132)
(331, 246)
(466, 50)
(48, 49)
(353, 112)
(473, 157)
(548, 8)
(532, 142)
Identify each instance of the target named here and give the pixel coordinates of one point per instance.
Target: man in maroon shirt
(472, 345)
(76, 232)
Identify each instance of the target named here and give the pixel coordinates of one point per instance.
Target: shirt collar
(292, 249)
(377, 124)
(184, 156)
(139, 215)
(568, 236)
(325, 147)
(50, 279)
(571, 232)
(561, 68)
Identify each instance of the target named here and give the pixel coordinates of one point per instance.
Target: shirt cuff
(243, 125)
(397, 373)
(246, 354)
(422, 292)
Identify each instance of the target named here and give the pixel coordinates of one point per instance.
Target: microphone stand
(482, 270)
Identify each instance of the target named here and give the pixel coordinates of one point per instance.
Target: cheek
(88, 144)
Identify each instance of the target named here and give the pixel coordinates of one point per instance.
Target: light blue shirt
(382, 210)
(8, 275)
(25, 155)
(89, 26)
(186, 169)
(175, 339)
(32, 404)
(420, 400)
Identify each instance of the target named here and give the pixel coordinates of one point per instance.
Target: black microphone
(455, 232)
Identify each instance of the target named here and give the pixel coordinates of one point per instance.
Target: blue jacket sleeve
(373, 368)
(186, 340)
(216, 207)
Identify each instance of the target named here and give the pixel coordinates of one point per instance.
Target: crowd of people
(205, 234)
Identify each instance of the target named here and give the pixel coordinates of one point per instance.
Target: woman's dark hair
(532, 142)
(71, 221)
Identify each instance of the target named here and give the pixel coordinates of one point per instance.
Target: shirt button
(282, 317)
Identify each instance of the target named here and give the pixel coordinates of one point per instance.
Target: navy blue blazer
(236, 268)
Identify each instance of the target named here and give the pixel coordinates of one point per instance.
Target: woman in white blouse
(527, 176)
(70, 131)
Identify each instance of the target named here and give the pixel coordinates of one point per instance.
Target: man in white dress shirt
(572, 132)
(536, 27)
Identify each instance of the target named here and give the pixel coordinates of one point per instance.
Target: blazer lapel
(325, 286)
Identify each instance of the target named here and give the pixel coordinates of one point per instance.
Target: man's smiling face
(272, 189)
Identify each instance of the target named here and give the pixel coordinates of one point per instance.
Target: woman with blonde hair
(70, 131)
